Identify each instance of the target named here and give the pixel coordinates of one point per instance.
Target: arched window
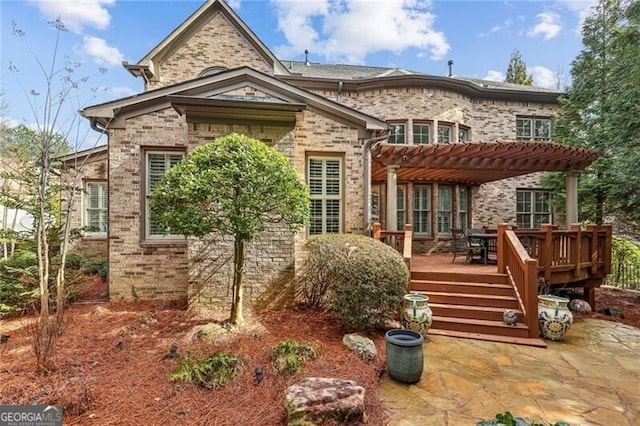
(211, 71)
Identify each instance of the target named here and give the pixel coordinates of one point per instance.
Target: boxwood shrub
(360, 279)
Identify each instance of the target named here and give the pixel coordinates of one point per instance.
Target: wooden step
(478, 277)
(469, 299)
(467, 325)
(462, 287)
(530, 341)
(471, 312)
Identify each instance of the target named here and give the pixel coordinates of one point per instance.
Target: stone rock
(318, 400)
(580, 306)
(363, 346)
(613, 312)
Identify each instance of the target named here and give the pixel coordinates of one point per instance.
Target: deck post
(392, 198)
(502, 227)
(531, 296)
(572, 197)
(576, 253)
(377, 231)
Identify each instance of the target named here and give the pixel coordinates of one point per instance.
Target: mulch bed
(112, 366)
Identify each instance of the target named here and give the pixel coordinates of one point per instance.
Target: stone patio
(590, 378)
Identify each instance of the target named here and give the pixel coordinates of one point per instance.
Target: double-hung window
(533, 128)
(421, 133)
(445, 203)
(96, 207)
(463, 134)
(533, 208)
(325, 187)
(402, 206)
(444, 133)
(422, 209)
(463, 207)
(397, 134)
(157, 163)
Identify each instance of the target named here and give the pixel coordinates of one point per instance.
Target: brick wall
(90, 245)
(218, 44)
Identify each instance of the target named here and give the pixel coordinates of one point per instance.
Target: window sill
(91, 236)
(164, 243)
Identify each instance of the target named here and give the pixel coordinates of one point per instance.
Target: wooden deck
(468, 300)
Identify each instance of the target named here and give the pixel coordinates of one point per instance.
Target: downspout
(369, 144)
(93, 123)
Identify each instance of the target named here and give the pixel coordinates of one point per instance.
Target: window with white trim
(96, 201)
(402, 206)
(463, 207)
(463, 134)
(325, 189)
(422, 209)
(533, 128)
(421, 133)
(157, 163)
(533, 208)
(375, 204)
(397, 134)
(444, 133)
(445, 204)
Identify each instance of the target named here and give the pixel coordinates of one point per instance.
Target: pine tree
(517, 70)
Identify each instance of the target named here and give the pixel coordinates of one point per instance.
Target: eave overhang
(245, 111)
(476, 162)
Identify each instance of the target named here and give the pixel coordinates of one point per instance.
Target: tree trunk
(64, 247)
(238, 265)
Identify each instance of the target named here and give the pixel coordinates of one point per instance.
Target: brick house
(348, 129)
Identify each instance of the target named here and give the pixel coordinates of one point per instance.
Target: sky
(418, 35)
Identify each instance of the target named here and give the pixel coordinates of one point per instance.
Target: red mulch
(112, 367)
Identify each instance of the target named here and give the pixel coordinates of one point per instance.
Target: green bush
(289, 356)
(72, 261)
(22, 259)
(360, 279)
(213, 372)
(96, 267)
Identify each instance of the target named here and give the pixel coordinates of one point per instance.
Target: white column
(572, 198)
(392, 198)
(434, 131)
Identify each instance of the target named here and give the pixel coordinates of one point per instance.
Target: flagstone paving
(592, 377)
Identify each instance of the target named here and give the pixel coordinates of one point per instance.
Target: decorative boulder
(363, 346)
(317, 400)
(580, 306)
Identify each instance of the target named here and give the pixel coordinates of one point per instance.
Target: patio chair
(459, 243)
(475, 247)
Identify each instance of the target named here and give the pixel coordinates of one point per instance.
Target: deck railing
(522, 271)
(399, 240)
(575, 254)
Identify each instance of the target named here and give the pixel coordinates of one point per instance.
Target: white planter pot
(554, 317)
(416, 313)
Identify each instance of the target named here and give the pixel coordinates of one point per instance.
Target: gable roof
(190, 26)
(208, 91)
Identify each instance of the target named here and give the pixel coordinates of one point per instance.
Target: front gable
(211, 40)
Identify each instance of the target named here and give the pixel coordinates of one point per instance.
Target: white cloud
(101, 52)
(548, 27)
(235, 4)
(76, 14)
(349, 30)
(494, 76)
(544, 77)
(581, 7)
(122, 91)
(497, 28)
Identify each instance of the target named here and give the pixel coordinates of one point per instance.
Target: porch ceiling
(476, 162)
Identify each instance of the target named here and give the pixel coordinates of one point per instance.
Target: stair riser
(472, 301)
(483, 329)
(465, 313)
(492, 278)
(460, 288)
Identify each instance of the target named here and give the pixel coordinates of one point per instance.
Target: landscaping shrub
(289, 356)
(22, 259)
(18, 282)
(360, 279)
(96, 267)
(212, 372)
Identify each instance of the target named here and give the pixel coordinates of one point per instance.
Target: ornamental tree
(234, 186)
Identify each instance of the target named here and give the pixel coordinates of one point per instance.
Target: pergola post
(392, 198)
(572, 198)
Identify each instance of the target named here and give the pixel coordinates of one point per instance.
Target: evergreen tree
(517, 70)
(601, 111)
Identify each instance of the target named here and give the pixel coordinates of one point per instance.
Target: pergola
(476, 163)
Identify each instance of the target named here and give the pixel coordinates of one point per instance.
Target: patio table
(486, 239)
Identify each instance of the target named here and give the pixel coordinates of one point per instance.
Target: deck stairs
(471, 305)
